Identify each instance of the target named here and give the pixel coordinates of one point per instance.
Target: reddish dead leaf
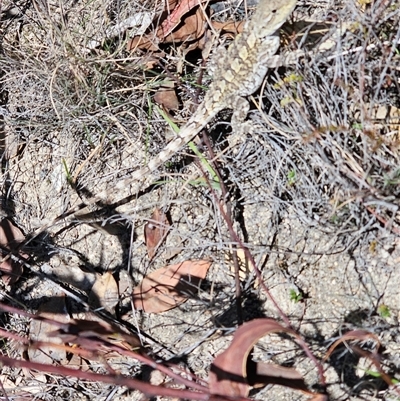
(96, 334)
(104, 293)
(10, 237)
(150, 40)
(155, 231)
(233, 372)
(191, 29)
(147, 42)
(168, 287)
(358, 335)
(184, 26)
(173, 20)
(362, 335)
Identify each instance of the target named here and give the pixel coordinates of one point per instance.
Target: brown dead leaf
(96, 334)
(166, 96)
(148, 42)
(10, 238)
(356, 335)
(155, 231)
(185, 25)
(54, 309)
(170, 286)
(104, 293)
(233, 372)
(228, 27)
(174, 19)
(79, 363)
(374, 357)
(191, 28)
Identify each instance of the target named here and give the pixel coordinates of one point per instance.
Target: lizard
(239, 72)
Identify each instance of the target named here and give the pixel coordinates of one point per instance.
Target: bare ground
(313, 191)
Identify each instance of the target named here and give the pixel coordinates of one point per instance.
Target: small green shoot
(357, 126)
(67, 171)
(393, 179)
(290, 79)
(384, 311)
(334, 219)
(379, 376)
(291, 177)
(88, 137)
(193, 148)
(202, 182)
(295, 296)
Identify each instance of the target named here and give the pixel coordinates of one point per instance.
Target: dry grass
(314, 189)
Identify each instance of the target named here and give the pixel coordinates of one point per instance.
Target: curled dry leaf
(357, 335)
(96, 334)
(166, 96)
(183, 25)
(155, 231)
(228, 27)
(174, 19)
(190, 27)
(232, 372)
(363, 336)
(104, 293)
(10, 238)
(170, 286)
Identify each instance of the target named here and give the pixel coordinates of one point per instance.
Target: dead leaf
(191, 28)
(184, 26)
(54, 309)
(170, 286)
(155, 231)
(94, 334)
(228, 27)
(233, 372)
(79, 363)
(374, 357)
(104, 293)
(10, 238)
(150, 40)
(174, 19)
(357, 335)
(166, 96)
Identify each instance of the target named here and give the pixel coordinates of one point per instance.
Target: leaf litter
(169, 286)
(155, 231)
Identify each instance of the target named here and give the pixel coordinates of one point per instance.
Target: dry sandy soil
(312, 191)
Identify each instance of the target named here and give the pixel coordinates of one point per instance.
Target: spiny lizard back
(239, 72)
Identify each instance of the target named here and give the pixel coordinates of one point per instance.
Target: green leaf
(384, 311)
(291, 177)
(67, 171)
(295, 296)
